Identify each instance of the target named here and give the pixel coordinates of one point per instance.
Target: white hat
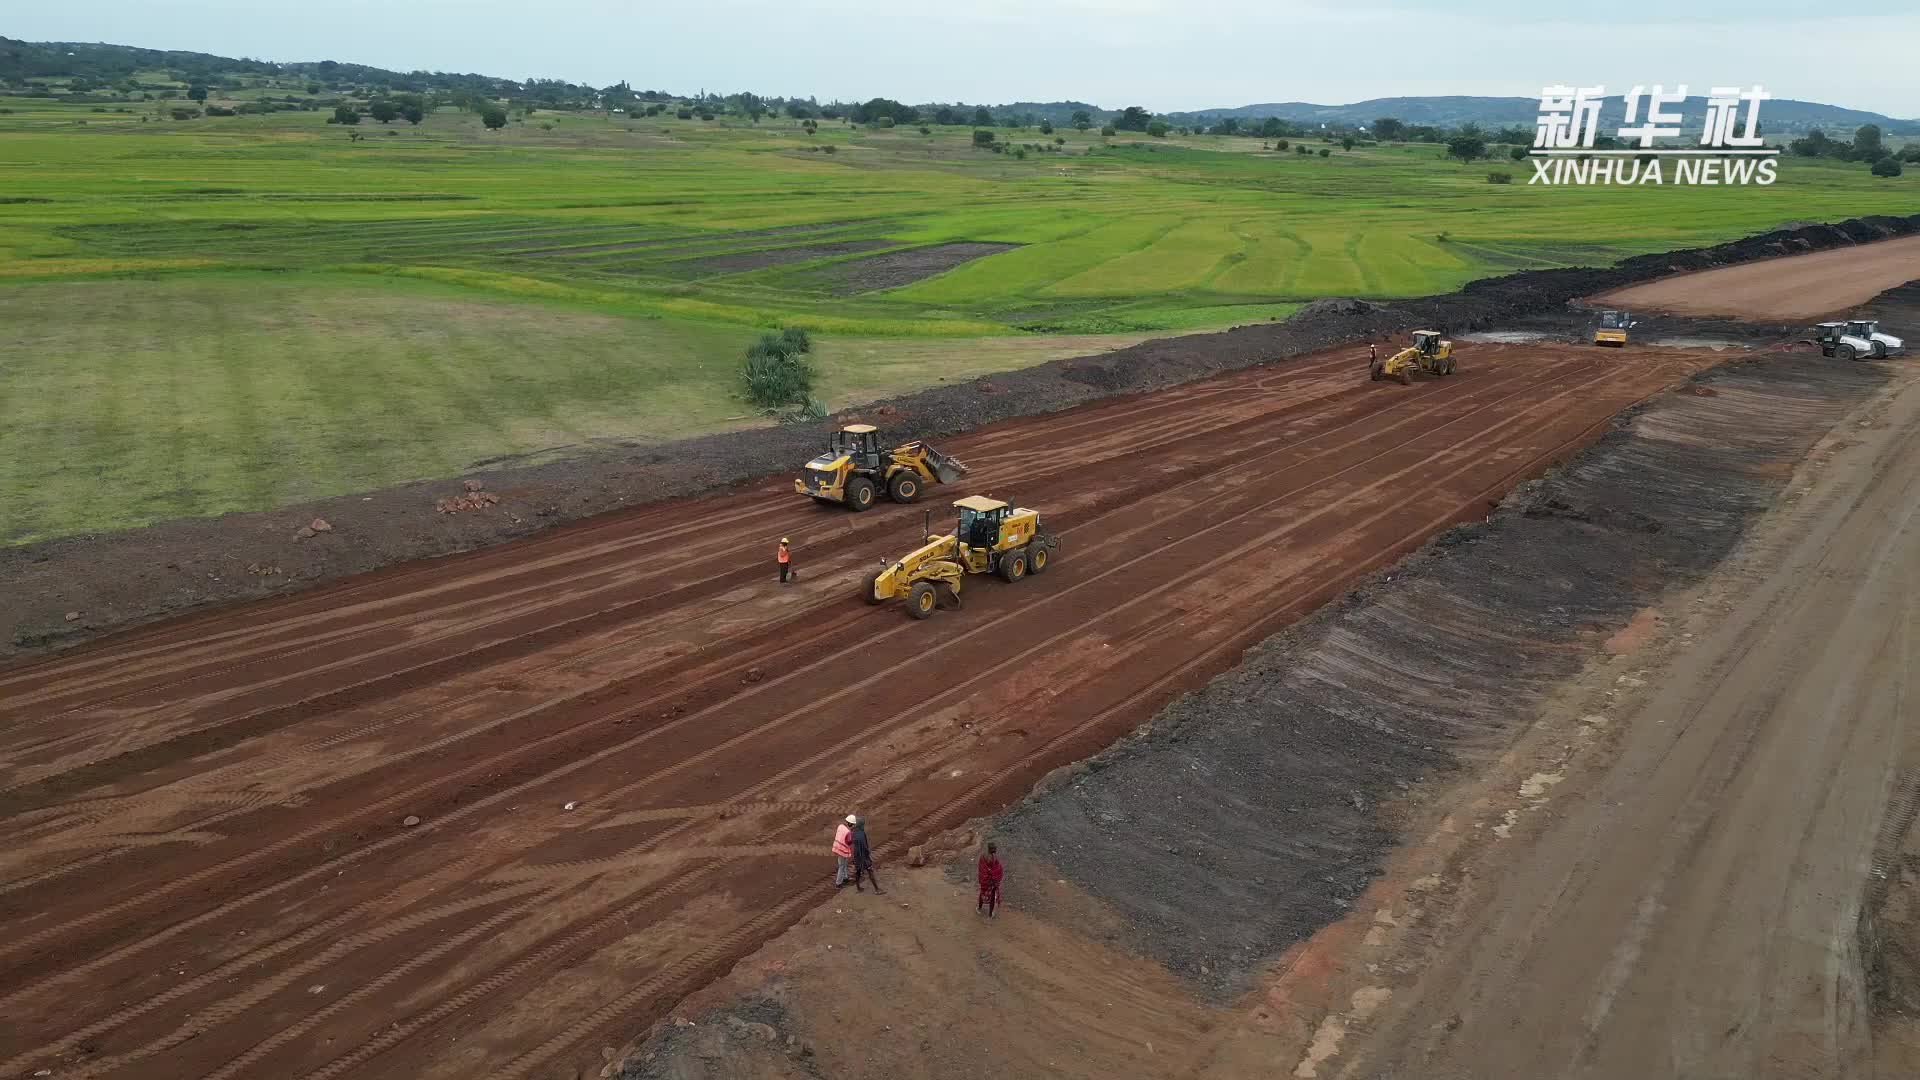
(851, 820)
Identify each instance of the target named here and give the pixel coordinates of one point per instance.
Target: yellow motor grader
(990, 538)
(855, 470)
(1429, 352)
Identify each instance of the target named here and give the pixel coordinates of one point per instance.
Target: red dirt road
(1799, 287)
(207, 871)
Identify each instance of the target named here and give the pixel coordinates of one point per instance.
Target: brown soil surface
(1658, 784)
(894, 269)
(1806, 287)
(491, 814)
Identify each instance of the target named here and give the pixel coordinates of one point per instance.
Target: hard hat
(784, 540)
(851, 820)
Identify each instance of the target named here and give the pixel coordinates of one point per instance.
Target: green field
(239, 312)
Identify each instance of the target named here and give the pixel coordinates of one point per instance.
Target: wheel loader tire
(922, 600)
(904, 487)
(1844, 351)
(1013, 565)
(859, 493)
(1037, 559)
(1406, 376)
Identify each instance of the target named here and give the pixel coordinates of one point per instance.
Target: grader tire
(871, 582)
(1037, 559)
(922, 600)
(859, 493)
(904, 487)
(1406, 375)
(1375, 372)
(1013, 565)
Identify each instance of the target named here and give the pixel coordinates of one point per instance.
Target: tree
(494, 117)
(1816, 144)
(1133, 118)
(1159, 128)
(1911, 153)
(1107, 130)
(982, 118)
(1325, 152)
(1466, 146)
(1228, 126)
(1389, 129)
(1280, 145)
(1046, 127)
(345, 114)
(798, 110)
(383, 110)
(1303, 148)
(313, 88)
(684, 113)
(982, 137)
(1887, 166)
(873, 110)
(1081, 120)
(198, 92)
(1866, 143)
(413, 113)
(1346, 142)
(1518, 153)
(945, 115)
(1516, 135)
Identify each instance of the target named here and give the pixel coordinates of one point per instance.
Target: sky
(1168, 55)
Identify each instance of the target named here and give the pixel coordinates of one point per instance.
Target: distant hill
(1780, 116)
(101, 66)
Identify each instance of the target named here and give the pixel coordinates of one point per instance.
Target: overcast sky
(1169, 55)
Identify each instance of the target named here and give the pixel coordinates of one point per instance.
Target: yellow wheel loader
(855, 470)
(1429, 353)
(990, 538)
(1613, 328)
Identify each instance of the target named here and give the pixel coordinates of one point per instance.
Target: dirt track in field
(208, 871)
(1809, 287)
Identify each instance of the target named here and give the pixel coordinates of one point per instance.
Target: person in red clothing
(785, 558)
(990, 874)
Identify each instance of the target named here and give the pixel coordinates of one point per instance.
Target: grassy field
(232, 313)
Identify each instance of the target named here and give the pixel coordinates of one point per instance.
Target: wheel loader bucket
(946, 469)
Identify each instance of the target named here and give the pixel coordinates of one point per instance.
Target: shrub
(344, 114)
(982, 138)
(1324, 152)
(1107, 131)
(1020, 152)
(1159, 128)
(884, 122)
(1911, 153)
(925, 130)
(1499, 176)
(776, 371)
(810, 411)
(1059, 140)
(1887, 166)
(1046, 127)
(494, 117)
(1518, 153)
(684, 114)
(185, 114)
(829, 149)
(1303, 148)
(212, 110)
(1281, 145)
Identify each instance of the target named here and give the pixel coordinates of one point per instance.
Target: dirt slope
(1806, 287)
(330, 835)
(1693, 909)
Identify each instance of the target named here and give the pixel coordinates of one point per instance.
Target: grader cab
(989, 537)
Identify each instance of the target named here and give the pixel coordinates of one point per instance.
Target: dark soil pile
(126, 578)
(1245, 818)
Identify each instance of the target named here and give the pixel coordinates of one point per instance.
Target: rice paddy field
(240, 312)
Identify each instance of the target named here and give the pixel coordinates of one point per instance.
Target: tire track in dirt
(1349, 459)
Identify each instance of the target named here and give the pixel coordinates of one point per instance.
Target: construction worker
(843, 851)
(862, 857)
(785, 556)
(989, 876)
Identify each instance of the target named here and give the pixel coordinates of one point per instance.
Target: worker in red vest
(989, 876)
(785, 555)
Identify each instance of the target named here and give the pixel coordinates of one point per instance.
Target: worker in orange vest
(785, 556)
